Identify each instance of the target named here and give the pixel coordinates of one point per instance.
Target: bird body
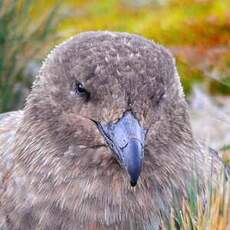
(104, 140)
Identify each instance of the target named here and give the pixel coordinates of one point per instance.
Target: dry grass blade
(213, 215)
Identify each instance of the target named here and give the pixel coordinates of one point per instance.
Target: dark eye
(81, 91)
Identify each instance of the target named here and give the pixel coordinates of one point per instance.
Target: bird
(104, 139)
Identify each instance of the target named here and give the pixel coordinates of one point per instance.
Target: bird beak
(126, 140)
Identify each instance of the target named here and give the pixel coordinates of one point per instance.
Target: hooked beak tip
(133, 183)
(133, 157)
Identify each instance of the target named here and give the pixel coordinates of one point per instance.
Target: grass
(21, 40)
(197, 212)
(226, 154)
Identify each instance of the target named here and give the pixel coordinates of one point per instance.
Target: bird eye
(81, 91)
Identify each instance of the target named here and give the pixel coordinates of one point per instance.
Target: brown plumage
(103, 142)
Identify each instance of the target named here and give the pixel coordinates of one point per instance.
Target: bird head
(105, 105)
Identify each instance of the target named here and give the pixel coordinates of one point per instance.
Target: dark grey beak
(126, 140)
